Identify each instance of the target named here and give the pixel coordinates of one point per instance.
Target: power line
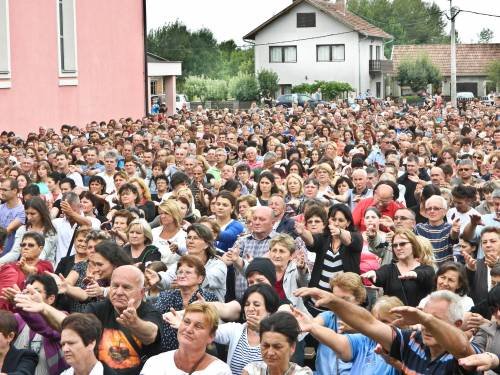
(480, 13)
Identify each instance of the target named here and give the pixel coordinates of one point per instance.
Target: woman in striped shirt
(337, 250)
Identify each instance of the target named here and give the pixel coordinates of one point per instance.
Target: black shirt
(115, 349)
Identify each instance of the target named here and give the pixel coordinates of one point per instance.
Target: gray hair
(455, 308)
(269, 156)
(110, 155)
(496, 193)
(71, 197)
(443, 201)
(466, 162)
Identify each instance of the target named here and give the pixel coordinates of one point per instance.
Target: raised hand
(173, 318)
(455, 226)
(387, 222)
(479, 362)
(305, 321)
(322, 297)
(29, 302)
(408, 316)
(370, 275)
(253, 322)
(476, 220)
(10, 292)
(300, 261)
(128, 317)
(152, 277)
(94, 290)
(470, 262)
(407, 275)
(299, 227)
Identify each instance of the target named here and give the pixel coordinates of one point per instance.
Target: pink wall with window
(110, 65)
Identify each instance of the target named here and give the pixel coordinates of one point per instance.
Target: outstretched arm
(450, 337)
(355, 316)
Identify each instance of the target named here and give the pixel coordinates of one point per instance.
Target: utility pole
(453, 58)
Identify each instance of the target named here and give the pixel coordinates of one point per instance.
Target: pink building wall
(110, 53)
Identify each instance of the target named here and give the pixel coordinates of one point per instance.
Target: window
(67, 37)
(154, 84)
(283, 54)
(331, 52)
(377, 52)
(4, 40)
(306, 19)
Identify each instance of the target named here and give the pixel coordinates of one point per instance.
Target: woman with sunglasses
(408, 279)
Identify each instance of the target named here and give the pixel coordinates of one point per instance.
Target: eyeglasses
(399, 244)
(402, 218)
(433, 208)
(25, 244)
(464, 169)
(479, 157)
(192, 238)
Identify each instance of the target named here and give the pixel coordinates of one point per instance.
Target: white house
(162, 75)
(312, 40)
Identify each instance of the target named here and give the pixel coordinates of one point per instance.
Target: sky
(231, 19)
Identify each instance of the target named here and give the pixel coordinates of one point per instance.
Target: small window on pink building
(5, 70)
(66, 19)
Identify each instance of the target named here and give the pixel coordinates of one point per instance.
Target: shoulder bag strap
(68, 252)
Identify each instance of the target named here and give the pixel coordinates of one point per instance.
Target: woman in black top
(338, 249)
(409, 278)
(266, 187)
(139, 245)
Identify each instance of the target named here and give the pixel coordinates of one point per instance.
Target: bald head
(262, 222)
(130, 272)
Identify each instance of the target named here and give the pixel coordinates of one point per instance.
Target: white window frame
(282, 48)
(331, 46)
(70, 73)
(6, 74)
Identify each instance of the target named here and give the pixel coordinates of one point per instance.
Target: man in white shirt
(66, 225)
(110, 163)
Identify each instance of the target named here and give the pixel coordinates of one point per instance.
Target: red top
(11, 274)
(358, 215)
(278, 286)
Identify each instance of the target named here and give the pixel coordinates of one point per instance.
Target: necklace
(193, 369)
(287, 372)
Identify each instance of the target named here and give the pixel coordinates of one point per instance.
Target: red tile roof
(472, 59)
(334, 10)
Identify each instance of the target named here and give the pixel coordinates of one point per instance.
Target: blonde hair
(210, 313)
(146, 194)
(385, 304)
(420, 251)
(186, 193)
(427, 257)
(325, 167)
(351, 282)
(284, 240)
(145, 228)
(298, 178)
(171, 207)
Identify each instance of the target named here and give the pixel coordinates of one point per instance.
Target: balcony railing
(380, 66)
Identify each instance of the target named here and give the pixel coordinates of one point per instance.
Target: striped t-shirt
(439, 237)
(244, 354)
(332, 264)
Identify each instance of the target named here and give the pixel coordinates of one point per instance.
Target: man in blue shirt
(432, 350)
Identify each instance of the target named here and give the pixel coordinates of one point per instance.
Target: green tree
(418, 73)
(485, 35)
(244, 87)
(195, 87)
(409, 21)
(268, 81)
(494, 72)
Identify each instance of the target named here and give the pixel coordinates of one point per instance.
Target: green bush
(268, 81)
(244, 87)
(329, 90)
(195, 87)
(216, 89)
(418, 73)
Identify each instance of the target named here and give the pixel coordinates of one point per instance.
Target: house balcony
(380, 66)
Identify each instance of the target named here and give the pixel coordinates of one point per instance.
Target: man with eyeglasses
(442, 235)
(12, 214)
(383, 199)
(465, 172)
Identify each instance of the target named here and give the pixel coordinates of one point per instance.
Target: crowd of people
(358, 237)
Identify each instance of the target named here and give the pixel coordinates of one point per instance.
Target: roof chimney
(341, 5)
